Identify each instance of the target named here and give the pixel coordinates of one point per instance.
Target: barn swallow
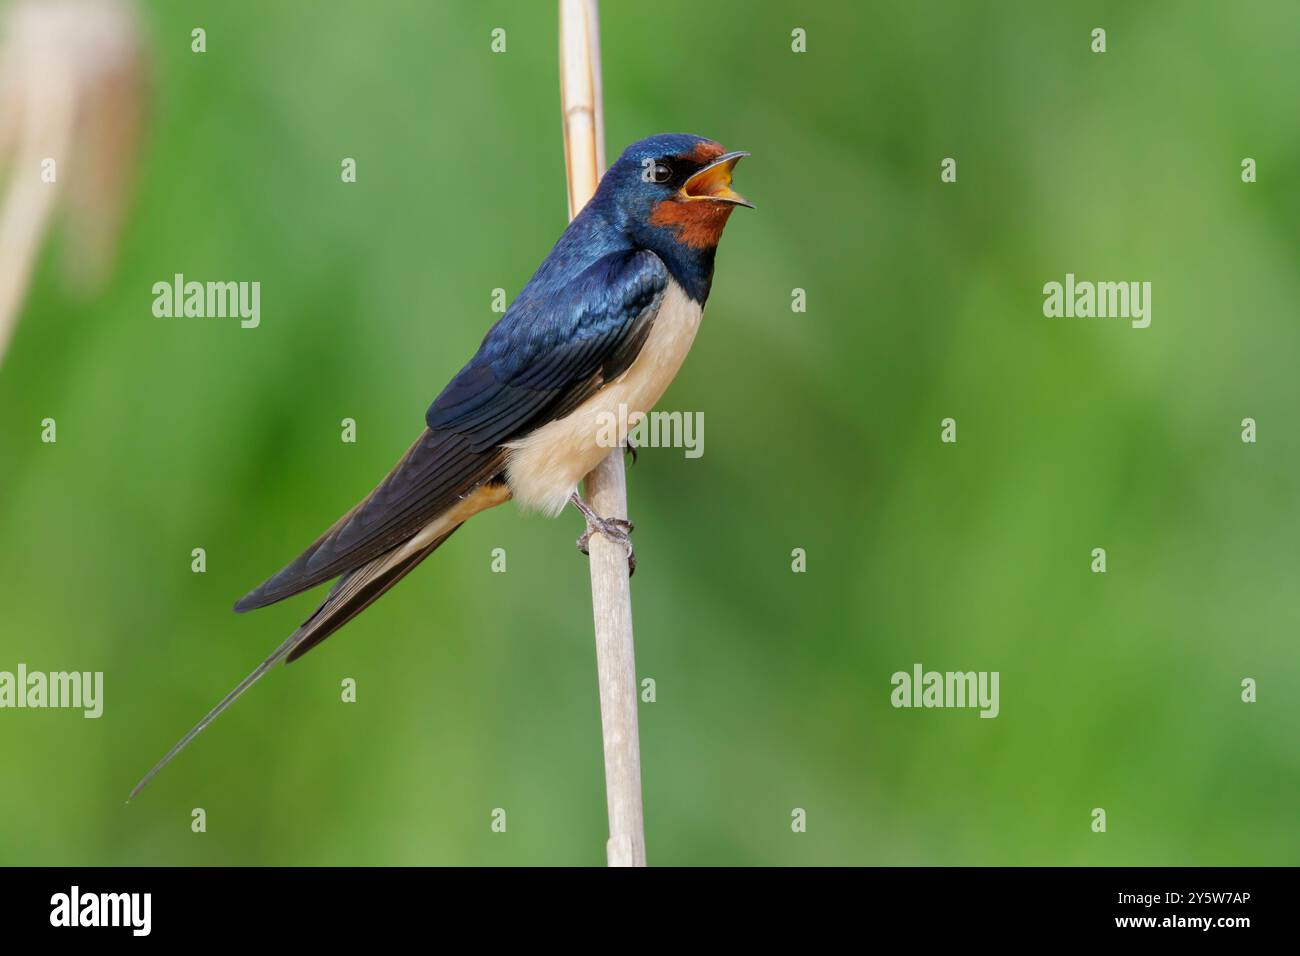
(605, 321)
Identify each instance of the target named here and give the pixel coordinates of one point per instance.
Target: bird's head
(673, 191)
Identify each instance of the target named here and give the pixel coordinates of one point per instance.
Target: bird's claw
(630, 448)
(615, 529)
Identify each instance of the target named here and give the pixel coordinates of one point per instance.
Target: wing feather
(552, 350)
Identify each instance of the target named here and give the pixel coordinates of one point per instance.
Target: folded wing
(551, 351)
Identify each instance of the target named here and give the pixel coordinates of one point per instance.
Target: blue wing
(559, 343)
(552, 351)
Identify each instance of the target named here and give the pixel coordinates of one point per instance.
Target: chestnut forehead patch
(704, 153)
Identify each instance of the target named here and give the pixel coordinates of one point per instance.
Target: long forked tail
(353, 593)
(276, 656)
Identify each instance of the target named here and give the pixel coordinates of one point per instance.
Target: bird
(605, 322)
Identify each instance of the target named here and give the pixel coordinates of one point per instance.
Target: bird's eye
(655, 171)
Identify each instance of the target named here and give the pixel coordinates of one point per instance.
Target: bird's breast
(545, 466)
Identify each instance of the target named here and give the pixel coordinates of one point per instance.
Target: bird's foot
(617, 530)
(630, 448)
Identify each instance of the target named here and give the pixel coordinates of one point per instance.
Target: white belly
(545, 467)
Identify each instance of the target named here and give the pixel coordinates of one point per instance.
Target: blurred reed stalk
(72, 90)
(606, 487)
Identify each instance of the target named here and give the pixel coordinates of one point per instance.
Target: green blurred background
(477, 690)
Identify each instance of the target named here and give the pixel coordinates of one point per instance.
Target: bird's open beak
(714, 182)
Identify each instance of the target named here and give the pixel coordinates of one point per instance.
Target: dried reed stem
(606, 486)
